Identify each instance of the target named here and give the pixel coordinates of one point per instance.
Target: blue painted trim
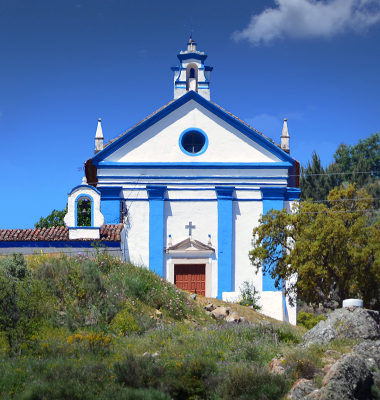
(110, 192)
(192, 95)
(84, 227)
(225, 242)
(187, 132)
(89, 187)
(76, 209)
(189, 56)
(273, 193)
(280, 177)
(57, 244)
(255, 184)
(194, 200)
(191, 165)
(156, 228)
(292, 194)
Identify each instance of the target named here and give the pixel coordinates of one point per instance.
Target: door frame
(178, 260)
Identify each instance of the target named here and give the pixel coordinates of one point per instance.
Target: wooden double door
(191, 277)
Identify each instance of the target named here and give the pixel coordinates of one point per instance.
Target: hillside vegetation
(78, 328)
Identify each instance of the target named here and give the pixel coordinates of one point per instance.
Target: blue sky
(65, 63)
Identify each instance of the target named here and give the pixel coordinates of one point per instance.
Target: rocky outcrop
(301, 388)
(277, 366)
(221, 312)
(345, 323)
(349, 379)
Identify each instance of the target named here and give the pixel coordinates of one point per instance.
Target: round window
(193, 142)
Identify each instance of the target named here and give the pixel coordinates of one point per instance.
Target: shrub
(139, 372)
(23, 302)
(93, 342)
(124, 321)
(302, 363)
(250, 382)
(249, 296)
(309, 320)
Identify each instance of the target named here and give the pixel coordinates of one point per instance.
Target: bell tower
(192, 74)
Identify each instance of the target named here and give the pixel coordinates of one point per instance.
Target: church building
(190, 183)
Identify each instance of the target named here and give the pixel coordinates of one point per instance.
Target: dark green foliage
(84, 212)
(52, 220)
(249, 382)
(140, 372)
(68, 382)
(309, 320)
(22, 303)
(347, 168)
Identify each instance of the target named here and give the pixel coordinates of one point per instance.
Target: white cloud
(310, 19)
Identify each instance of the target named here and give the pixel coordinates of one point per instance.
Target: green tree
(52, 220)
(22, 302)
(359, 163)
(331, 249)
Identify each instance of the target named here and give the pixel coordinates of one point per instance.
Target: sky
(66, 63)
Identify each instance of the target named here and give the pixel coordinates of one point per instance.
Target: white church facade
(190, 183)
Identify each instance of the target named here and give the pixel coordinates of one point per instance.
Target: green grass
(83, 334)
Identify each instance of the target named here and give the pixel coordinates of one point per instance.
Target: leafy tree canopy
(52, 220)
(348, 166)
(331, 248)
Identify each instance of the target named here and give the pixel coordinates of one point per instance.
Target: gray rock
(208, 313)
(233, 317)
(147, 355)
(349, 378)
(301, 388)
(345, 323)
(156, 354)
(369, 350)
(210, 307)
(221, 313)
(193, 296)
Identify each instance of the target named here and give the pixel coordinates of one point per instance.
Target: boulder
(301, 388)
(221, 313)
(349, 378)
(355, 323)
(210, 307)
(156, 354)
(233, 317)
(369, 350)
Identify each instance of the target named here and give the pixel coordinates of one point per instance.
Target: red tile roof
(109, 233)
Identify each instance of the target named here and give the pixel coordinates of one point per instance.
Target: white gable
(160, 142)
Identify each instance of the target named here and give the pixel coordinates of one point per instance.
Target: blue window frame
(193, 141)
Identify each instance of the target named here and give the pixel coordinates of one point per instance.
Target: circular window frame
(199, 132)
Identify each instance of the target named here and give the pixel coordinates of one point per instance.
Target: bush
(309, 320)
(249, 382)
(249, 296)
(139, 372)
(124, 321)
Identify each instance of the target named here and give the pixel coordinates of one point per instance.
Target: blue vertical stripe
(156, 228)
(225, 242)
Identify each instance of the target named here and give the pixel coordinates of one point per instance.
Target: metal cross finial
(190, 227)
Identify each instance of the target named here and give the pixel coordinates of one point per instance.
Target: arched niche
(192, 77)
(83, 197)
(84, 210)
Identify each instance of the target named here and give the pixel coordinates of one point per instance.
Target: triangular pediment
(190, 245)
(156, 139)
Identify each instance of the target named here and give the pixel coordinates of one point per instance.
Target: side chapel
(190, 182)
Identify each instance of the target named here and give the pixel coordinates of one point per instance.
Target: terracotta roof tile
(110, 233)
